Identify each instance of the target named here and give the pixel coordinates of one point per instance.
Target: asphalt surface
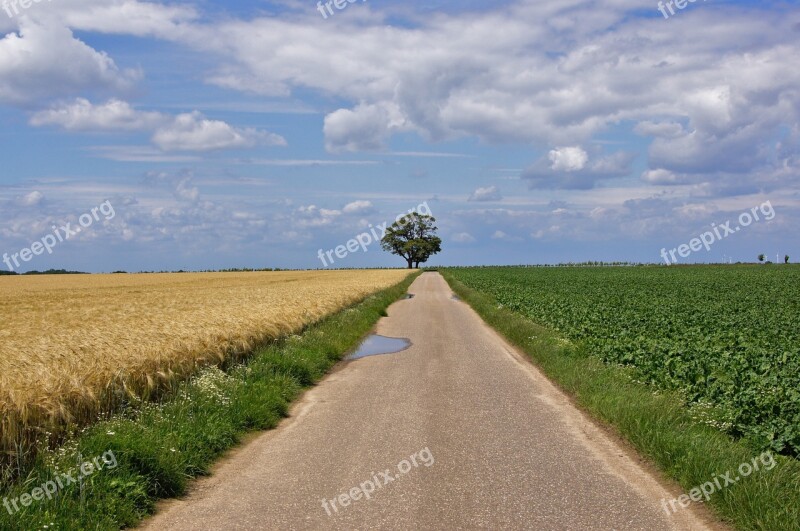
(495, 446)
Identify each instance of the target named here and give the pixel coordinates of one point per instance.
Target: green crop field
(726, 337)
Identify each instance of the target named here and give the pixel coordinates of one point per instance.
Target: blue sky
(254, 134)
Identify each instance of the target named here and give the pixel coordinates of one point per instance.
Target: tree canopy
(413, 238)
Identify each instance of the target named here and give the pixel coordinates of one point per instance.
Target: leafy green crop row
(727, 338)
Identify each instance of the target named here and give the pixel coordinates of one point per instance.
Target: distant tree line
(48, 272)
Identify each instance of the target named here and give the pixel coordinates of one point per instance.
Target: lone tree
(786, 259)
(761, 258)
(414, 238)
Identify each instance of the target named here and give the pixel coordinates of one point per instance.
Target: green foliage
(413, 238)
(726, 338)
(654, 421)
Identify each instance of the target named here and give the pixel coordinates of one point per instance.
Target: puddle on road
(409, 296)
(376, 345)
(455, 297)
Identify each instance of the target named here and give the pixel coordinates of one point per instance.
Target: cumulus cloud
(560, 73)
(663, 177)
(45, 61)
(573, 169)
(490, 193)
(568, 159)
(359, 208)
(463, 237)
(184, 132)
(81, 115)
(311, 216)
(181, 184)
(365, 128)
(41, 58)
(502, 236)
(31, 199)
(184, 190)
(193, 132)
(128, 17)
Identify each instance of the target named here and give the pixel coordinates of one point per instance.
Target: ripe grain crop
(75, 347)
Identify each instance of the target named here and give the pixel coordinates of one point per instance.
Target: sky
(253, 134)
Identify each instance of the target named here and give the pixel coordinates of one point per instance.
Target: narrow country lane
(494, 444)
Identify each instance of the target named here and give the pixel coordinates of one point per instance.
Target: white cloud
(184, 190)
(31, 199)
(128, 17)
(463, 237)
(184, 132)
(568, 159)
(45, 61)
(81, 115)
(661, 176)
(359, 208)
(572, 169)
(193, 132)
(558, 74)
(311, 216)
(180, 184)
(490, 193)
(502, 236)
(365, 128)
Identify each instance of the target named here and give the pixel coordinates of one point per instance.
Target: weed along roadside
(159, 447)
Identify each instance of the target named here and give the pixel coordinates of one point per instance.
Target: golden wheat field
(68, 344)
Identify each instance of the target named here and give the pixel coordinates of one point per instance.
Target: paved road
(494, 446)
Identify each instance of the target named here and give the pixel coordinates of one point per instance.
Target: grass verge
(152, 450)
(657, 424)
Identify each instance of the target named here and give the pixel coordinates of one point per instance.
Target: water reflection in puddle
(409, 296)
(376, 345)
(455, 297)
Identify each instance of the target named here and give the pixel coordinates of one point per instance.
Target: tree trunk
(410, 264)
